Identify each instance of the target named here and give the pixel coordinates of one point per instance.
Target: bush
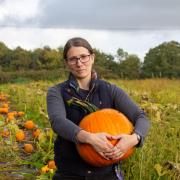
(24, 76)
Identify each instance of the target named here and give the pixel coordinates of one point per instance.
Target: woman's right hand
(99, 141)
(101, 144)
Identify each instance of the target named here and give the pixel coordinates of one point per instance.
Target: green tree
(61, 59)
(121, 55)
(36, 56)
(5, 56)
(162, 61)
(46, 58)
(130, 67)
(50, 58)
(21, 59)
(105, 64)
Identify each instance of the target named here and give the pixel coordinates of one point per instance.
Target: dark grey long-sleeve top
(68, 130)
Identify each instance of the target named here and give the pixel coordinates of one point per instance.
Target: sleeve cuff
(141, 140)
(75, 137)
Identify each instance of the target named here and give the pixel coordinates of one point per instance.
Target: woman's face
(79, 62)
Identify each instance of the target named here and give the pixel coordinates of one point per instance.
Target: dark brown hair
(76, 42)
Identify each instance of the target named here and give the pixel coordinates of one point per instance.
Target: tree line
(160, 61)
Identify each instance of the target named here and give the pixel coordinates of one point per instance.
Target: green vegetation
(161, 61)
(159, 158)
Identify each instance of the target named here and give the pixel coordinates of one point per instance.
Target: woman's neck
(84, 83)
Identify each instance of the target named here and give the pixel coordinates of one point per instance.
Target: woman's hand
(99, 141)
(124, 144)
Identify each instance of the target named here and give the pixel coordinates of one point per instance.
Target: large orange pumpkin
(105, 120)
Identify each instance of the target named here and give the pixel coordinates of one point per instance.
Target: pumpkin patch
(25, 140)
(159, 98)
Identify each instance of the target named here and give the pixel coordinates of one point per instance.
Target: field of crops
(159, 158)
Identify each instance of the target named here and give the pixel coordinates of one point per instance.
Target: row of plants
(25, 141)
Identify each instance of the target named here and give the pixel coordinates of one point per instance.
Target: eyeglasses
(83, 58)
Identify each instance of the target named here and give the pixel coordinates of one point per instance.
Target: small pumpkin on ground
(29, 124)
(10, 116)
(4, 110)
(45, 169)
(20, 113)
(51, 164)
(36, 133)
(28, 148)
(20, 135)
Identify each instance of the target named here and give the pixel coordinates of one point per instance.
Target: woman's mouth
(80, 70)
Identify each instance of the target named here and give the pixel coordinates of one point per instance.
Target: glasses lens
(72, 60)
(82, 58)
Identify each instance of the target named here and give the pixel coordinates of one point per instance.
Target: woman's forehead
(75, 51)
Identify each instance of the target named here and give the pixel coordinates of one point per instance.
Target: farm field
(159, 158)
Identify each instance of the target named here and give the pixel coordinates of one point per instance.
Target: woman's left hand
(124, 144)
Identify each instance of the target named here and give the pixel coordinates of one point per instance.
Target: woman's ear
(93, 57)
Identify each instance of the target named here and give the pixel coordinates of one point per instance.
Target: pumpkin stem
(85, 105)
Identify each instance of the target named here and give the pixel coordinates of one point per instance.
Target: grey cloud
(107, 14)
(1, 1)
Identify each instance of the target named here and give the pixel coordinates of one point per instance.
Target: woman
(83, 83)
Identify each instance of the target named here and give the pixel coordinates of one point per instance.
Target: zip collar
(74, 84)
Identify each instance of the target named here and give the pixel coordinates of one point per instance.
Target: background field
(158, 159)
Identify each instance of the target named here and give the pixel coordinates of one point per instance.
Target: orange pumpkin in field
(3, 110)
(10, 116)
(36, 133)
(105, 120)
(20, 113)
(20, 136)
(28, 148)
(29, 124)
(51, 164)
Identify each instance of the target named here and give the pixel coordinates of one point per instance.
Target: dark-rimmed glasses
(83, 58)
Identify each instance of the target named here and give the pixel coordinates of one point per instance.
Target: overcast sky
(134, 25)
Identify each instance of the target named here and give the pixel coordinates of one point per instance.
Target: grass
(160, 99)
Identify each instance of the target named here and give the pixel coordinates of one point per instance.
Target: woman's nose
(78, 62)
